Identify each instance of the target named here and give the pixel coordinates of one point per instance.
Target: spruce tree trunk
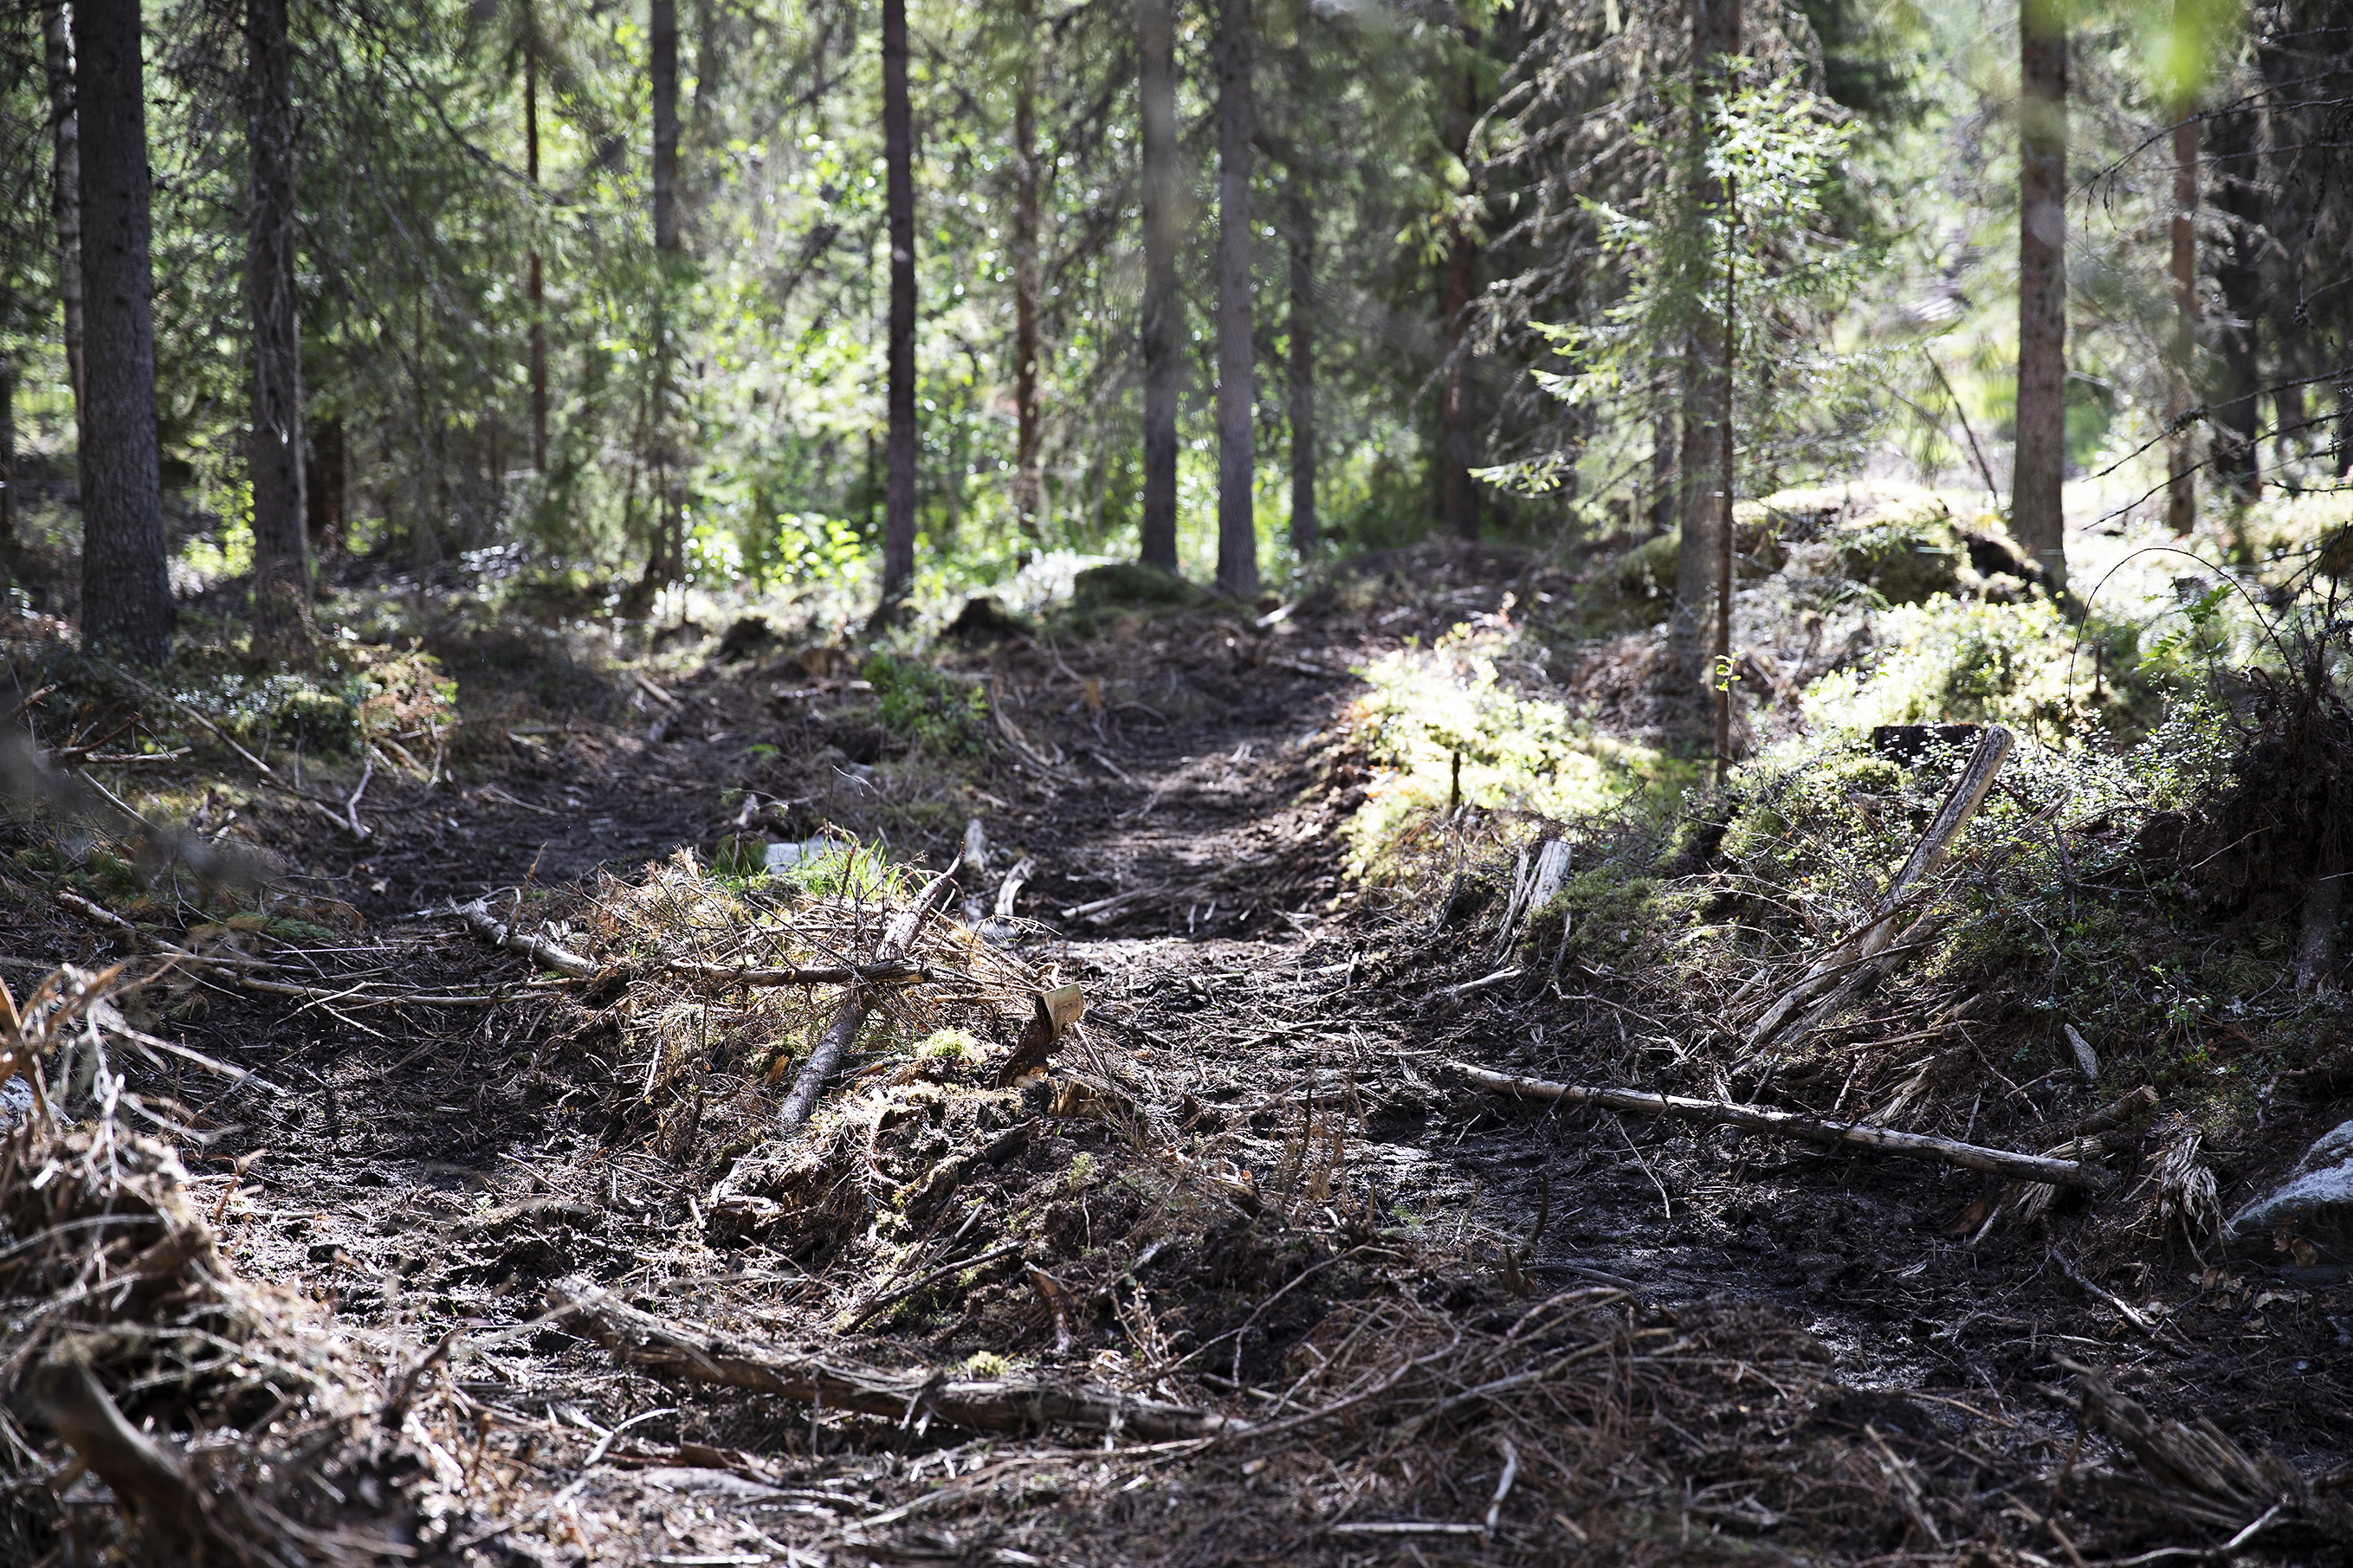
(1162, 311)
(535, 285)
(1691, 624)
(282, 541)
(65, 186)
(126, 594)
(1236, 356)
(2039, 473)
(1458, 441)
(1662, 471)
(1027, 484)
(899, 156)
(1306, 533)
(2181, 457)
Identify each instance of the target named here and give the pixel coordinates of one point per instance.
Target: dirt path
(1260, 1100)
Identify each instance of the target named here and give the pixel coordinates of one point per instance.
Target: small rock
(2313, 1209)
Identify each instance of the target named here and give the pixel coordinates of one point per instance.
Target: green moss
(1907, 554)
(1133, 583)
(925, 706)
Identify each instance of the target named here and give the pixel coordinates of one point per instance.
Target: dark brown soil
(1851, 1377)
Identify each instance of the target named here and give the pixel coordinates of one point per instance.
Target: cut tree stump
(2078, 1173)
(687, 1353)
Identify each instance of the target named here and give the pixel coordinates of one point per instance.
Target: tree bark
(281, 541)
(1663, 471)
(1236, 353)
(2181, 464)
(1305, 530)
(126, 594)
(899, 154)
(324, 485)
(535, 285)
(1715, 36)
(1028, 487)
(1162, 311)
(1726, 474)
(65, 187)
(669, 545)
(1458, 442)
(7, 459)
(2039, 473)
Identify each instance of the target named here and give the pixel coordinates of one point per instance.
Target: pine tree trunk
(126, 594)
(899, 154)
(65, 189)
(536, 285)
(1162, 311)
(670, 543)
(1236, 354)
(2182, 459)
(282, 541)
(1306, 533)
(1458, 441)
(2039, 473)
(1691, 626)
(1027, 484)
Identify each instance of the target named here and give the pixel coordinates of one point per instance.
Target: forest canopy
(608, 291)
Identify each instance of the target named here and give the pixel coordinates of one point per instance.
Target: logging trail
(1253, 1192)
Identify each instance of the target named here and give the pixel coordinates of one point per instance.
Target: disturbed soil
(1467, 1328)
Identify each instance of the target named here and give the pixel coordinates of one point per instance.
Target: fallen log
(897, 938)
(689, 1353)
(2079, 1174)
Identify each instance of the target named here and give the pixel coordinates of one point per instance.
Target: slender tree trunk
(1458, 440)
(1237, 352)
(281, 541)
(536, 285)
(1306, 533)
(669, 548)
(7, 459)
(1690, 628)
(1027, 484)
(1162, 311)
(323, 485)
(65, 189)
(126, 594)
(899, 154)
(2233, 169)
(2182, 477)
(2039, 474)
(1726, 474)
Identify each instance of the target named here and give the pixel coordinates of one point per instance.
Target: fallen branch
(896, 940)
(1787, 1124)
(689, 1353)
(1961, 803)
(540, 950)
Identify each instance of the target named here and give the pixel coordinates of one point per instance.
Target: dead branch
(1961, 803)
(1787, 1124)
(150, 1484)
(692, 1354)
(540, 950)
(896, 940)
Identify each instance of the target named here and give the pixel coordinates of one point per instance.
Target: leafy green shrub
(1907, 554)
(926, 706)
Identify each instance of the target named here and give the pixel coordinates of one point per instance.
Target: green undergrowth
(926, 706)
(1459, 724)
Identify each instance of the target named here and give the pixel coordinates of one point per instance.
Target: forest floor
(1341, 1306)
